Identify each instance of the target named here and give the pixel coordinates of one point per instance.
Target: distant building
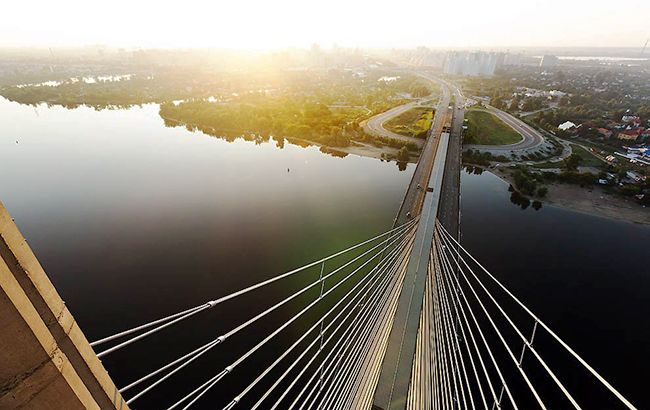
(629, 135)
(477, 63)
(566, 126)
(605, 132)
(549, 61)
(510, 59)
(630, 118)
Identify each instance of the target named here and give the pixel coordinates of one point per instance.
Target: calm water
(587, 277)
(133, 220)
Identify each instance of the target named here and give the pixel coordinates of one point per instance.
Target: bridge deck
(395, 375)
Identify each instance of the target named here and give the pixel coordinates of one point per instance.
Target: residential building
(629, 135)
(607, 134)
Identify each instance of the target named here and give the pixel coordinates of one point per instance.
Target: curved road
(375, 125)
(531, 138)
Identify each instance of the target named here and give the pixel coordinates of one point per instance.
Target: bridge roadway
(449, 209)
(433, 193)
(414, 196)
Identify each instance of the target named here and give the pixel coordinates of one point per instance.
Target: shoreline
(590, 201)
(358, 148)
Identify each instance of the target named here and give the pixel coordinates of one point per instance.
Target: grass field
(412, 123)
(588, 159)
(486, 129)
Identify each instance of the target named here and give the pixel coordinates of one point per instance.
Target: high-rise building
(471, 63)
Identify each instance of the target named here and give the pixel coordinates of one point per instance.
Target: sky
(268, 24)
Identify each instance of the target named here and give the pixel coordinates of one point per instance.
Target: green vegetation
(587, 159)
(320, 106)
(270, 116)
(412, 123)
(403, 154)
(477, 157)
(486, 129)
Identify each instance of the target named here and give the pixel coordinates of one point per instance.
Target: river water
(133, 220)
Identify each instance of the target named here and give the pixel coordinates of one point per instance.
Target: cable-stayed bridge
(407, 319)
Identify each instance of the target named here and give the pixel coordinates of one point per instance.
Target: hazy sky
(364, 23)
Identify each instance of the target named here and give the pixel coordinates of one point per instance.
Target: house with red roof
(630, 134)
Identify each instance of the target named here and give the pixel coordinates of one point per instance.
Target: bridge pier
(45, 360)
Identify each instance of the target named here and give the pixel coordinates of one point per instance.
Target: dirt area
(592, 201)
(596, 202)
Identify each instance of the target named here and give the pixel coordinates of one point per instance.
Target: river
(133, 220)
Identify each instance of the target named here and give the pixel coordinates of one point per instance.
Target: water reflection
(522, 201)
(133, 220)
(472, 169)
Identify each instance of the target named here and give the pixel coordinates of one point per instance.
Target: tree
(403, 154)
(572, 162)
(542, 191)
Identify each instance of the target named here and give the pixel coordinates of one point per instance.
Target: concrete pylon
(45, 360)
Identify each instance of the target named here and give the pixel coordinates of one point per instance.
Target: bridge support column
(45, 360)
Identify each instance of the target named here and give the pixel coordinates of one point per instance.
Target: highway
(449, 208)
(414, 196)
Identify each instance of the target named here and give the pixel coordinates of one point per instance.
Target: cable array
(476, 343)
(351, 291)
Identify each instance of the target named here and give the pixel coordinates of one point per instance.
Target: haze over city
(263, 24)
(334, 205)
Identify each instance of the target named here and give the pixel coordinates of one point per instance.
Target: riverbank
(591, 201)
(358, 148)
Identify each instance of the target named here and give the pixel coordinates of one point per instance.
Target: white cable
(295, 362)
(195, 354)
(363, 316)
(447, 388)
(215, 302)
(354, 340)
(556, 337)
(487, 347)
(349, 330)
(145, 326)
(459, 356)
(501, 338)
(379, 325)
(459, 307)
(523, 338)
(320, 321)
(452, 343)
(353, 360)
(211, 382)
